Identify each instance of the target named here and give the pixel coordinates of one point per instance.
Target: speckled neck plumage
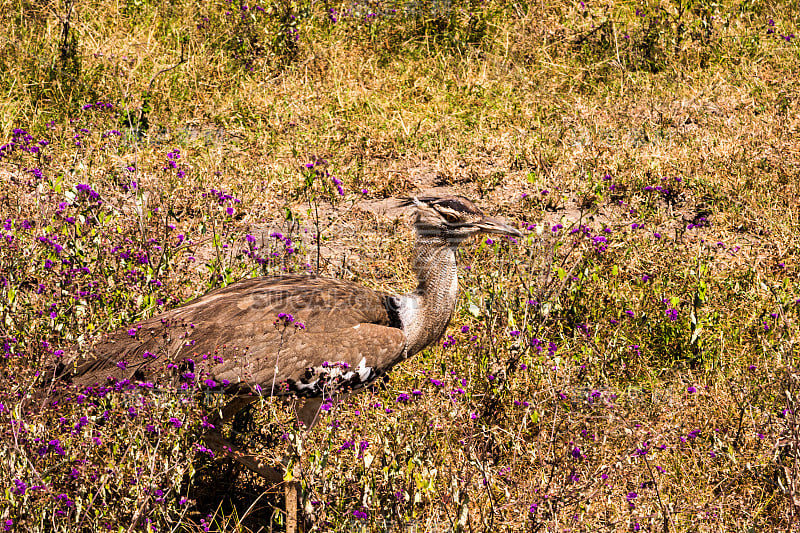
(427, 310)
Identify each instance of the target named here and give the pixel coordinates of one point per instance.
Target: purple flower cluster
(539, 345)
(172, 164)
(98, 106)
(223, 199)
(24, 142)
(338, 183)
(666, 193)
(286, 240)
(322, 174)
(771, 31)
(599, 241)
(699, 222)
(286, 319)
(87, 192)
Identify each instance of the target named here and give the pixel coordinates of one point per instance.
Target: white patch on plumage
(331, 372)
(363, 370)
(327, 374)
(454, 287)
(408, 310)
(303, 386)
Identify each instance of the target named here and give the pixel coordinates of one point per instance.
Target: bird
(300, 336)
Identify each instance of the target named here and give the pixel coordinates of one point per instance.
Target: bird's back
(273, 336)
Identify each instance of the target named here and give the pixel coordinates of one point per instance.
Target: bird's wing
(286, 335)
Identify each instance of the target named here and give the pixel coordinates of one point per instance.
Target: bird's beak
(493, 225)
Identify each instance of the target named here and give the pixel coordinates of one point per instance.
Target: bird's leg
(214, 440)
(231, 409)
(307, 411)
(291, 506)
(306, 414)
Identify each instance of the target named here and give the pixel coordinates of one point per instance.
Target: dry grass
(651, 386)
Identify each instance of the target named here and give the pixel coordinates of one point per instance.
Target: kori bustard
(298, 336)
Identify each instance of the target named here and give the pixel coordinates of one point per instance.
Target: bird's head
(453, 219)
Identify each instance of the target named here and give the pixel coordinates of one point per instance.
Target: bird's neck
(433, 301)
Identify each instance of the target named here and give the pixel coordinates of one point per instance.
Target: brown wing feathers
(286, 335)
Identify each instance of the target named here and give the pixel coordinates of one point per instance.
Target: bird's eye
(449, 215)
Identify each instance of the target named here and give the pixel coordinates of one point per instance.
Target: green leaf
(289, 475)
